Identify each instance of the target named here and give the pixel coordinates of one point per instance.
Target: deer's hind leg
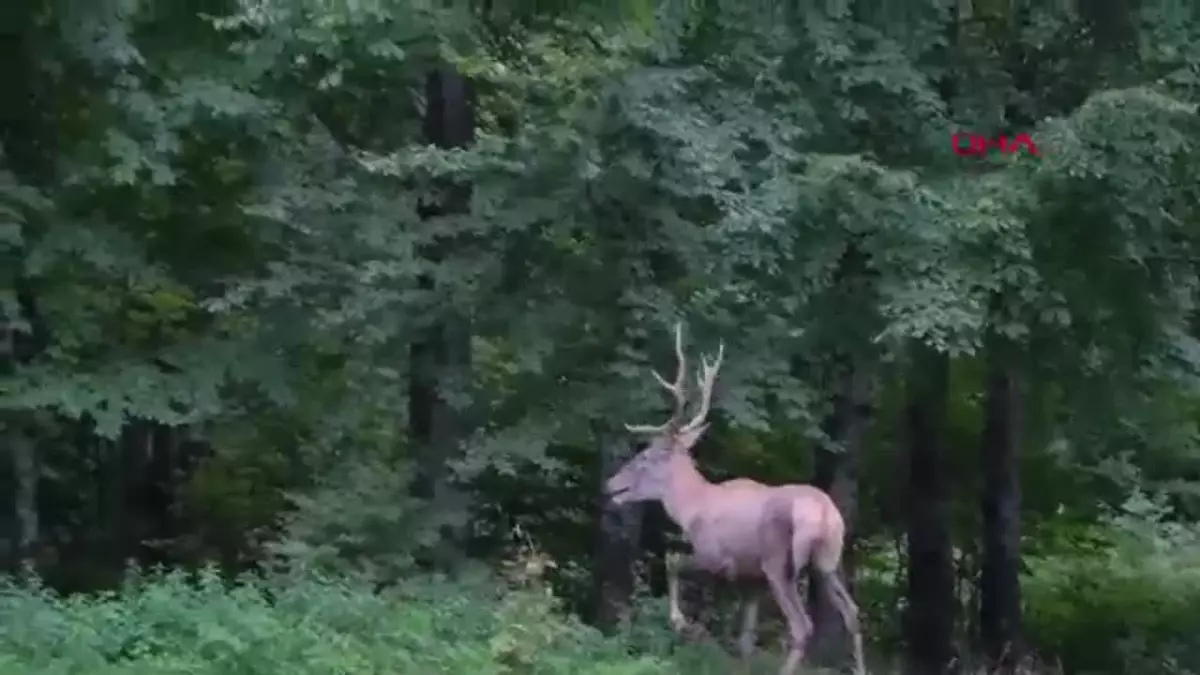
(782, 579)
(839, 597)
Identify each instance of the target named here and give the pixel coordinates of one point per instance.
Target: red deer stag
(740, 529)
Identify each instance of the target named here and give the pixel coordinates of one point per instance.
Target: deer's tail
(819, 535)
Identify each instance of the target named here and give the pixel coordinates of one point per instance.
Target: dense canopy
(348, 302)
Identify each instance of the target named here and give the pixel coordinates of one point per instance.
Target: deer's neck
(686, 492)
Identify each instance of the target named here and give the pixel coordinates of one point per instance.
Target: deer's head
(647, 475)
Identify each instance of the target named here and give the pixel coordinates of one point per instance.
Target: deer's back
(743, 522)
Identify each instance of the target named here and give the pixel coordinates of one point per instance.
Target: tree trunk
(653, 544)
(27, 143)
(440, 359)
(929, 626)
(19, 346)
(616, 547)
(1114, 24)
(929, 567)
(112, 478)
(25, 497)
(999, 580)
(154, 492)
(837, 474)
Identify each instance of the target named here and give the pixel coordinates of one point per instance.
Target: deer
(739, 529)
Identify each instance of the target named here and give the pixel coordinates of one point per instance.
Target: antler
(705, 377)
(677, 389)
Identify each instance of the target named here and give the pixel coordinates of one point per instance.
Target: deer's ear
(685, 440)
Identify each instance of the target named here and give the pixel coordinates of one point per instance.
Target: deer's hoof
(690, 631)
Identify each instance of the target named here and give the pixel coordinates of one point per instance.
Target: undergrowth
(312, 624)
(169, 623)
(1123, 600)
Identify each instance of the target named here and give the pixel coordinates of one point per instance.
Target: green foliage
(1123, 595)
(352, 523)
(221, 212)
(1134, 611)
(308, 624)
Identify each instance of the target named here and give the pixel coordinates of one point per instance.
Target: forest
(321, 323)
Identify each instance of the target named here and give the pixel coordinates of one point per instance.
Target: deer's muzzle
(617, 488)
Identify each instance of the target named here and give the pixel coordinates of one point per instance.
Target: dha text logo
(974, 145)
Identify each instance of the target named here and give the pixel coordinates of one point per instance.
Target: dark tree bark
(929, 625)
(1114, 24)
(18, 434)
(26, 475)
(27, 140)
(441, 357)
(846, 426)
(27, 119)
(113, 479)
(154, 494)
(999, 581)
(929, 620)
(654, 544)
(617, 545)
(837, 473)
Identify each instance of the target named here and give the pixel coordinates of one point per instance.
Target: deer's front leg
(748, 638)
(676, 564)
(679, 564)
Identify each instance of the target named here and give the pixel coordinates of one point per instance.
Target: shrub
(169, 623)
(1124, 599)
